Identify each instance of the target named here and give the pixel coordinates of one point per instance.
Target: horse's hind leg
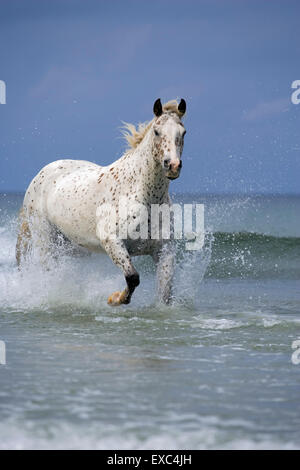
(23, 240)
(35, 237)
(42, 238)
(120, 256)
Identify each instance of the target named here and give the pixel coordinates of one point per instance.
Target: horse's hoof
(118, 298)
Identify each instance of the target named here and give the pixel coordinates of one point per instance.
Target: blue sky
(75, 69)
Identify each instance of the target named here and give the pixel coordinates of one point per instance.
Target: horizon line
(201, 193)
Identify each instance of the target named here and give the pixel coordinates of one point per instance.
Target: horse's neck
(151, 183)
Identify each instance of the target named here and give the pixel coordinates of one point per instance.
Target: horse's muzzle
(174, 170)
(173, 177)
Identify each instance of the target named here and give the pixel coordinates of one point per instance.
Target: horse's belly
(78, 231)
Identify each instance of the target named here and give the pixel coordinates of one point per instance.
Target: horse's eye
(156, 132)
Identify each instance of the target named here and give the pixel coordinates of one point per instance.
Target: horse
(76, 198)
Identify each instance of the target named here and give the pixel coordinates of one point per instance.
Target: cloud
(91, 64)
(267, 109)
(68, 83)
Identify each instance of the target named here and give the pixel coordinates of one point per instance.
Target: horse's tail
(24, 237)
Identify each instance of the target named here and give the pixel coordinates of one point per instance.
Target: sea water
(212, 371)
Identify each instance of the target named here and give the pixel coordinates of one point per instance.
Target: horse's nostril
(167, 163)
(180, 164)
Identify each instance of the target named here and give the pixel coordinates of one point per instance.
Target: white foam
(216, 324)
(17, 436)
(82, 282)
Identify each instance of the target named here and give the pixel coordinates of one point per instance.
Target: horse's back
(65, 193)
(62, 168)
(51, 176)
(57, 182)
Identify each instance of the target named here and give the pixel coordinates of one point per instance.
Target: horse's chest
(138, 228)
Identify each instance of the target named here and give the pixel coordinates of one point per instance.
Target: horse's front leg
(165, 261)
(118, 253)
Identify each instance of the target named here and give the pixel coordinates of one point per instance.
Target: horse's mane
(135, 134)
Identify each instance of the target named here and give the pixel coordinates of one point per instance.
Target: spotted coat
(72, 196)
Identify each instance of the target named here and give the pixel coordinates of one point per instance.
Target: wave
(254, 255)
(256, 238)
(225, 255)
(20, 435)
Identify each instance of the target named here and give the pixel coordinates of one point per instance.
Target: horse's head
(168, 136)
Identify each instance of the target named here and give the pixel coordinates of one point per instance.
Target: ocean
(213, 370)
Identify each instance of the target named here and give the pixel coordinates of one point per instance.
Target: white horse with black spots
(72, 197)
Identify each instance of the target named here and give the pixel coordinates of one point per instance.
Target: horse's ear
(157, 108)
(182, 106)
